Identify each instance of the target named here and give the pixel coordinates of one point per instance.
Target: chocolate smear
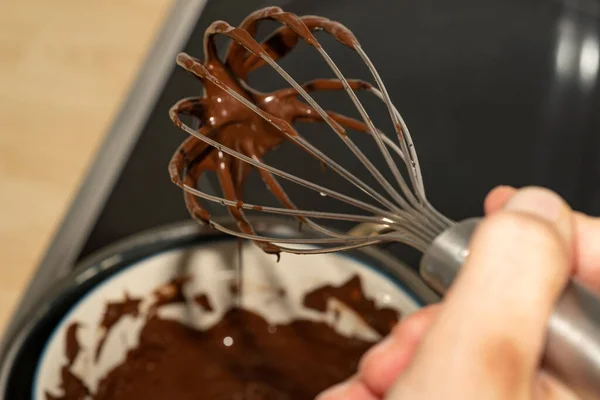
(242, 356)
(72, 387)
(113, 313)
(71, 343)
(238, 358)
(382, 319)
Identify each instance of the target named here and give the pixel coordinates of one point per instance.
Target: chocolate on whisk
(239, 125)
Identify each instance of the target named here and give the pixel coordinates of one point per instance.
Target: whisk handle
(572, 350)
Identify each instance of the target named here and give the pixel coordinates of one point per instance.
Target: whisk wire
(244, 39)
(409, 216)
(402, 217)
(373, 130)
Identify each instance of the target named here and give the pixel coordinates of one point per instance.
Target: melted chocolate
(251, 131)
(113, 313)
(352, 295)
(237, 358)
(241, 357)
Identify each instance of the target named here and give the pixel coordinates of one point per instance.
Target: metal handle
(573, 339)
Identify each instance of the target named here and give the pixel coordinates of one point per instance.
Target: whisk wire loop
(407, 214)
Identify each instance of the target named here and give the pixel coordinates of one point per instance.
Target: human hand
(485, 340)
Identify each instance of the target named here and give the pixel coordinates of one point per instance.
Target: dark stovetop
(494, 91)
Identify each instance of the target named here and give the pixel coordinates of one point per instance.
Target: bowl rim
(136, 247)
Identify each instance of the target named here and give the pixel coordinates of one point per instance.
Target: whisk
(239, 125)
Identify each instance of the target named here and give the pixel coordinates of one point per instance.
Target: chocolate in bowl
(296, 333)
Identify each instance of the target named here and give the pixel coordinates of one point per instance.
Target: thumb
(488, 338)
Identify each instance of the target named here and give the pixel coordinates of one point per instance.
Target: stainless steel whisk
(402, 214)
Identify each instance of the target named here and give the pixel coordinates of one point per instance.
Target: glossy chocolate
(260, 125)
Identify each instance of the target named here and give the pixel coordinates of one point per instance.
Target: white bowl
(210, 267)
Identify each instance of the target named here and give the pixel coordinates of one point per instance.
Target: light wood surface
(65, 66)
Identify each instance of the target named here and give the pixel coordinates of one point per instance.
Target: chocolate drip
(240, 272)
(351, 294)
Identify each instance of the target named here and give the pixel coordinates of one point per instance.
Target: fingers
(496, 199)
(547, 387)
(489, 335)
(518, 265)
(353, 389)
(586, 250)
(382, 365)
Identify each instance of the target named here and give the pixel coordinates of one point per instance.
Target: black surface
(494, 92)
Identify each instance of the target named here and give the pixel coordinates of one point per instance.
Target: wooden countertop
(65, 66)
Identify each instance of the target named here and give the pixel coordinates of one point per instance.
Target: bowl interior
(209, 271)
